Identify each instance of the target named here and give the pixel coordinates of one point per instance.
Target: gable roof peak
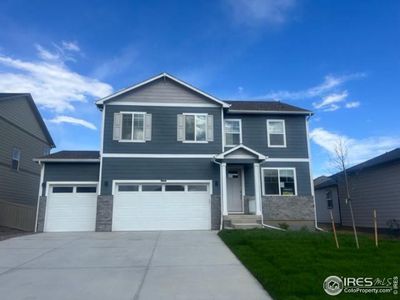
(101, 101)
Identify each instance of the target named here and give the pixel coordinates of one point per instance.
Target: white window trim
(279, 175)
(133, 117)
(240, 131)
(195, 141)
(17, 159)
(284, 133)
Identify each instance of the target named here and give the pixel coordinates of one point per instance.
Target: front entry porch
(240, 186)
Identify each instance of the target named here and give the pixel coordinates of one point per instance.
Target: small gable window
(15, 158)
(329, 200)
(233, 132)
(276, 133)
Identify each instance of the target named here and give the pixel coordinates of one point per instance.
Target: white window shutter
(210, 128)
(180, 127)
(117, 128)
(147, 127)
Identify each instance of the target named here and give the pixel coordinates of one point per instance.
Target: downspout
(311, 179)
(221, 215)
(42, 165)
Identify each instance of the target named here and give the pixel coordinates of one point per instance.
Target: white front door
(234, 189)
(162, 206)
(71, 208)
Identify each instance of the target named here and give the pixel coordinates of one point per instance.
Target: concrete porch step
(236, 219)
(246, 225)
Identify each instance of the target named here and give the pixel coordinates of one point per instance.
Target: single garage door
(71, 208)
(155, 206)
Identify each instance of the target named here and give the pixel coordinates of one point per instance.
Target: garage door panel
(71, 211)
(162, 210)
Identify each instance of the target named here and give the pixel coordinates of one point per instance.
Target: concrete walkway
(123, 265)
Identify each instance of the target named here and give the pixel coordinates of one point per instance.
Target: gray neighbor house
(373, 184)
(173, 157)
(23, 136)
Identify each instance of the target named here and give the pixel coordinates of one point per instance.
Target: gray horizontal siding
(254, 134)
(158, 169)
(374, 188)
(70, 172)
(19, 186)
(164, 131)
(164, 90)
(18, 111)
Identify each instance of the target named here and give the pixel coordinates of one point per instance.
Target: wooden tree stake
(334, 229)
(376, 229)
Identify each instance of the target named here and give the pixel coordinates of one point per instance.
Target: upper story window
(15, 158)
(233, 132)
(279, 182)
(276, 133)
(132, 127)
(195, 128)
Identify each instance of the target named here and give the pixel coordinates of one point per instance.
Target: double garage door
(137, 206)
(155, 206)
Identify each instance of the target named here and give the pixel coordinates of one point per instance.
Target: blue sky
(340, 59)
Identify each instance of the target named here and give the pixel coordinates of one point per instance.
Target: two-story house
(173, 157)
(23, 136)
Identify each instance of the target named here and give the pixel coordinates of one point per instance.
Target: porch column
(257, 188)
(223, 189)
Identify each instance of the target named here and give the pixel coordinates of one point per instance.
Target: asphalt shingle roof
(264, 106)
(73, 155)
(387, 157)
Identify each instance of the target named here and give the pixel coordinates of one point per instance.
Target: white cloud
(72, 120)
(51, 82)
(46, 54)
(71, 46)
(331, 107)
(256, 12)
(330, 99)
(353, 104)
(359, 150)
(330, 83)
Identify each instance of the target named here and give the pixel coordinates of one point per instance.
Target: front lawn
(293, 265)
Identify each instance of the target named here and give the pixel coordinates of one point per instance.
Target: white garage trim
(71, 210)
(116, 182)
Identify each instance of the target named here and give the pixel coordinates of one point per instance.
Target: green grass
(293, 265)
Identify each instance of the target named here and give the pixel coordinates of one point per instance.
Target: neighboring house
(374, 184)
(326, 200)
(23, 136)
(173, 157)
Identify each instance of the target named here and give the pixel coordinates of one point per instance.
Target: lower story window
(279, 181)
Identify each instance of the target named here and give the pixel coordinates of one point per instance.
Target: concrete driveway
(123, 265)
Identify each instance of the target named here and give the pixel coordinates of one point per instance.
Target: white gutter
(88, 160)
